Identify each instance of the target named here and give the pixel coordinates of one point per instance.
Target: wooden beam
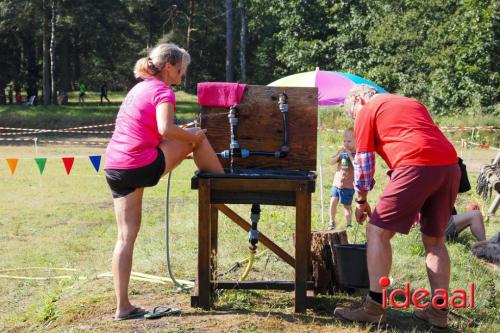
(264, 285)
(271, 185)
(262, 238)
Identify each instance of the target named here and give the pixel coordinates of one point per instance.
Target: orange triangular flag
(68, 163)
(12, 162)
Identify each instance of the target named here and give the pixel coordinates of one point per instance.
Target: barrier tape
(444, 129)
(63, 142)
(464, 143)
(56, 131)
(469, 128)
(61, 129)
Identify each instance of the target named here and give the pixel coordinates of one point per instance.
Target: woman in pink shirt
(146, 144)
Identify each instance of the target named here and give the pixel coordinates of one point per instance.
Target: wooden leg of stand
(204, 248)
(302, 248)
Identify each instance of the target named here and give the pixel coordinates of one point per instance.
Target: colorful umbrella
(332, 86)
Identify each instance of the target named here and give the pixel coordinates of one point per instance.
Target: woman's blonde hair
(161, 55)
(359, 90)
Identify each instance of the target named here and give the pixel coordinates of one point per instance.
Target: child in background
(343, 188)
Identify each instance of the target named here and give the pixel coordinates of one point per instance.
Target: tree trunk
(243, 37)
(75, 55)
(52, 60)
(188, 36)
(3, 99)
(46, 56)
(229, 41)
(324, 261)
(149, 42)
(63, 64)
(32, 74)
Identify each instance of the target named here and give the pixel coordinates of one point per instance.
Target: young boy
(343, 188)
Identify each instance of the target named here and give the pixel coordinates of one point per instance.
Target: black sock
(377, 297)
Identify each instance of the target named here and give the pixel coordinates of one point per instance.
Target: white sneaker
(331, 225)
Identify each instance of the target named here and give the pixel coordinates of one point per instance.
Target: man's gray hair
(359, 90)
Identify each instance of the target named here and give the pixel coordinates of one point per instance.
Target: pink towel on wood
(221, 94)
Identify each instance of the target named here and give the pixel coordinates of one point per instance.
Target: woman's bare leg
(128, 211)
(204, 156)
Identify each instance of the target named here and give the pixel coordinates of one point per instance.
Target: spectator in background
(19, 98)
(62, 98)
(104, 92)
(472, 218)
(83, 90)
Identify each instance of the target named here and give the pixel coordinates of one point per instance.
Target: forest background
(445, 53)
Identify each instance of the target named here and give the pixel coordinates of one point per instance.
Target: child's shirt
(344, 178)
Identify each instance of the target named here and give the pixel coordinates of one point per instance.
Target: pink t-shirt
(136, 136)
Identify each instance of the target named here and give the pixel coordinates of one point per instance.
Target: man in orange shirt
(424, 178)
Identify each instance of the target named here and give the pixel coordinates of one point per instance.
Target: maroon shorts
(418, 193)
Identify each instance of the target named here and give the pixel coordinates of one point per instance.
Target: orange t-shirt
(402, 132)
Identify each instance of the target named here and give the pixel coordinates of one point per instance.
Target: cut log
(323, 259)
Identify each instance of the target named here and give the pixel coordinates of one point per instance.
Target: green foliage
(48, 312)
(445, 53)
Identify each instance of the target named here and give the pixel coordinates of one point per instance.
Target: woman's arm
(168, 129)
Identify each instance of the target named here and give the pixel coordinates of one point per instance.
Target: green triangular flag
(41, 163)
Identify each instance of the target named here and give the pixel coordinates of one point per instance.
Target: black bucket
(352, 270)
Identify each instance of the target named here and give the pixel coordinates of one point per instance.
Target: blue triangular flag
(96, 161)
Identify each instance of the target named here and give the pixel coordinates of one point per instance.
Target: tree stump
(323, 259)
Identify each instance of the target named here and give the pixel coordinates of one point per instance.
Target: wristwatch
(360, 202)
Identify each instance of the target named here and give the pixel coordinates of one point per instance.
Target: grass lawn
(58, 221)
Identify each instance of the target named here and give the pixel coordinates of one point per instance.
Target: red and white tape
(55, 131)
(60, 129)
(63, 142)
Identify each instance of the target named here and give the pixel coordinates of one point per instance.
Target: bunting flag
(96, 161)
(68, 163)
(12, 162)
(41, 163)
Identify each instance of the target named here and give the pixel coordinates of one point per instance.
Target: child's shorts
(344, 194)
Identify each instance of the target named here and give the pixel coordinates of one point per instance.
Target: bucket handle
(356, 232)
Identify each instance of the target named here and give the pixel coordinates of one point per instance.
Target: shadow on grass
(465, 238)
(322, 312)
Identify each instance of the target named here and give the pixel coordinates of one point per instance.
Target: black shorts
(123, 182)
